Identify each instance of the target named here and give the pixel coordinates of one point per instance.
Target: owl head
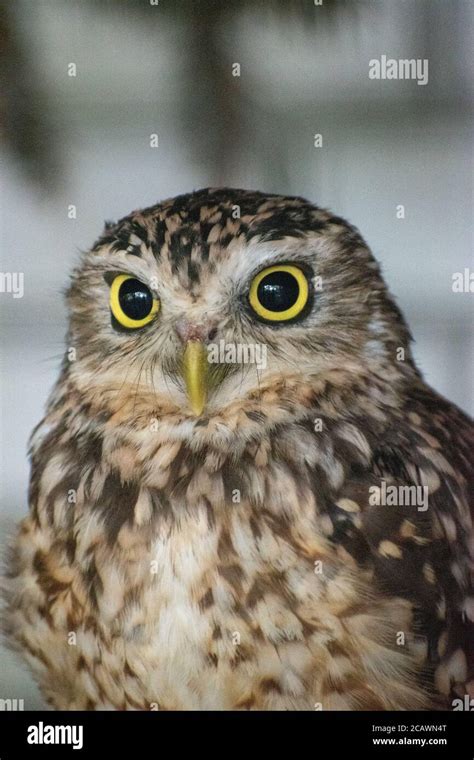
(209, 299)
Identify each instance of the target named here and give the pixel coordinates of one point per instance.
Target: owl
(243, 495)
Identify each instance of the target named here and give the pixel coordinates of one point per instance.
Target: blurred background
(167, 68)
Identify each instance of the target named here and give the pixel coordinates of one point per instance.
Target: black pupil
(278, 291)
(135, 299)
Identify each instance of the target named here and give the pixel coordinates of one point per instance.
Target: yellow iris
(300, 289)
(149, 306)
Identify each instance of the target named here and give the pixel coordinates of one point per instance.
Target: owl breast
(207, 588)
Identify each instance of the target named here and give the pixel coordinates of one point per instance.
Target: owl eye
(279, 293)
(131, 302)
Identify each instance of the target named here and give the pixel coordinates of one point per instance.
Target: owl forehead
(220, 236)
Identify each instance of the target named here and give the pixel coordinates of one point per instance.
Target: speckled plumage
(235, 560)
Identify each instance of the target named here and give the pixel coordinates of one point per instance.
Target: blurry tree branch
(213, 108)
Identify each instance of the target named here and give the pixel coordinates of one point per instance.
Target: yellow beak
(195, 374)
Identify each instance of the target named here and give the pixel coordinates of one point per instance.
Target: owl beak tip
(197, 409)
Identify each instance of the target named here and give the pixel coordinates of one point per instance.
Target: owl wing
(406, 510)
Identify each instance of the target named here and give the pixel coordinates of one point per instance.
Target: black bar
(445, 734)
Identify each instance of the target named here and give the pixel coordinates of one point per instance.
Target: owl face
(198, 302)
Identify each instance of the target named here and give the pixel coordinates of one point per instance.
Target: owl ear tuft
(108, 224)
